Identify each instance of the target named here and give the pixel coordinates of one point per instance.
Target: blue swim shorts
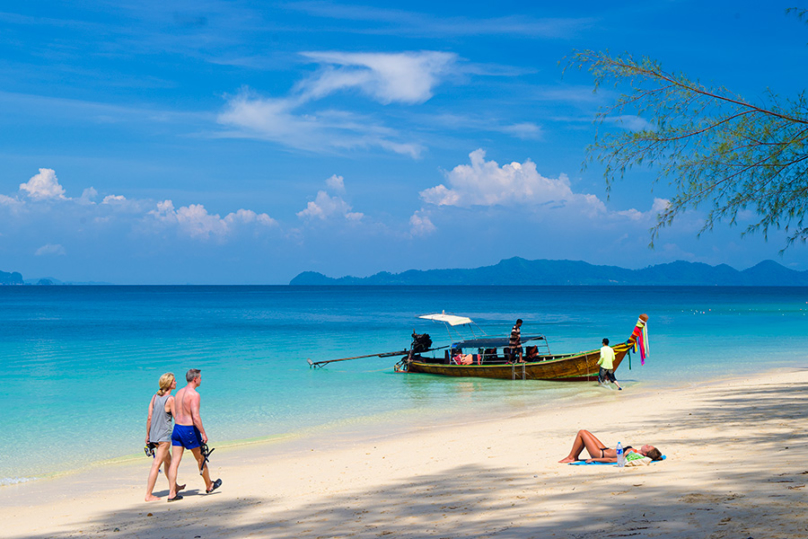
(186, 436)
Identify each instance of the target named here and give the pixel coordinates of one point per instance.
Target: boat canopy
(493, 342)
(450, 319)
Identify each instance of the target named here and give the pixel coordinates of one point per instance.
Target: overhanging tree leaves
(715, 147)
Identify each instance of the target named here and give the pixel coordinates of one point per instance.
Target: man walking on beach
(606, 364)
(515, 342)
(189, 434)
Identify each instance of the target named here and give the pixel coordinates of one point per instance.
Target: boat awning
(493, 342)
(450, 319)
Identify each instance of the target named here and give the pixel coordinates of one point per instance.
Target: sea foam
(6, 481)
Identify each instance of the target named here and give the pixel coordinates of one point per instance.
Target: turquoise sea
(78, 365)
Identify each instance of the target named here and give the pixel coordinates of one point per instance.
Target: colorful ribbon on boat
(641, 343)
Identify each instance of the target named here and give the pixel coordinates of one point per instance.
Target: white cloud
(195, 221)
(485, 183)
(43, 186)
(249, 216)
(11, 202)
(325, 207)
(413, 23)
(420, 224)
(412, 149)
(51, 249)
(115, 211)
(631, 122)
(579, 94)
(485, 122)
(114, 199)
(632, 214)
(87, 196)
(408, 77)
(272, 118)
(659, 205)
(336, 183)
(282, 121)
(524, 130)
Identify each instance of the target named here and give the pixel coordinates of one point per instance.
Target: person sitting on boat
(598, 452)
(532, 353)
(463, 359)
(515, 342)
(606, 364)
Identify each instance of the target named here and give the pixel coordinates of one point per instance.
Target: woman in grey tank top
(158, 431)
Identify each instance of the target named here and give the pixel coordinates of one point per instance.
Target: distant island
(16, 279)
(518, 271)
(10, 278)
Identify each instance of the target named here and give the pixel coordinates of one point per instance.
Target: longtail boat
(489, 357)
(488, 362)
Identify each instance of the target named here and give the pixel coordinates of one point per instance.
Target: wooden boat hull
(581, 367)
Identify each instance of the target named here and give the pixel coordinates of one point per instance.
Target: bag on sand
(635, 459)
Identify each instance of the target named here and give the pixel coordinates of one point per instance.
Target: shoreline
(250, 341)
(360, 427)
(724, 439)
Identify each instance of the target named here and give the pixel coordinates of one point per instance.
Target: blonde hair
(165, 383)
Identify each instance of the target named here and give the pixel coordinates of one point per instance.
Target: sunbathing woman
(601, 453)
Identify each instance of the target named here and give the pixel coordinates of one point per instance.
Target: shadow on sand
(479, 501)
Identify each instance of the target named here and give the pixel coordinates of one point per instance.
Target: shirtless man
(188, 434)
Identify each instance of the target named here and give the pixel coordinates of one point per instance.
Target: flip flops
(216, 484)
(175, 498)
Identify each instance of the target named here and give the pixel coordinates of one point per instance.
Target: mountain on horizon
(16, 279)
(520, 272)
(10, 278)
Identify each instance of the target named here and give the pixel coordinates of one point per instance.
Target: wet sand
(735, 468)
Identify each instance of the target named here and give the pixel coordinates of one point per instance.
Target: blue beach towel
(584, 463)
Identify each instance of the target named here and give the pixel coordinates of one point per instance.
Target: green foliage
(800, 13)
(716, 148)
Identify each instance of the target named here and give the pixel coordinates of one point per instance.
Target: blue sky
(245, 142)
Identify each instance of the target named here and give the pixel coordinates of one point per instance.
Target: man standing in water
(189, 434)
(515, 342)
(606, 364)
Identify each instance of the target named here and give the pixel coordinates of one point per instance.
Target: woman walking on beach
(600, 453)
(158, 431)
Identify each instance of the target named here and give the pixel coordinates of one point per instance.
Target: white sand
(736, 468)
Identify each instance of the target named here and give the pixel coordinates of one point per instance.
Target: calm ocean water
(78, 365)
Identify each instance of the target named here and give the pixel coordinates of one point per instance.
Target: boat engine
(421, 342)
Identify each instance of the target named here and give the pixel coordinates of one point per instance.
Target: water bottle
(621, 460)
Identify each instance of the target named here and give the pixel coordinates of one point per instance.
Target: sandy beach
(735, 468)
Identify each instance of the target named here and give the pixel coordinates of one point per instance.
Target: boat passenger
(532, 353)
(598, 452)
(489, 355)
(463, 359)
(515, 342)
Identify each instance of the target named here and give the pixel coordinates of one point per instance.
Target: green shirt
(606, 357)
